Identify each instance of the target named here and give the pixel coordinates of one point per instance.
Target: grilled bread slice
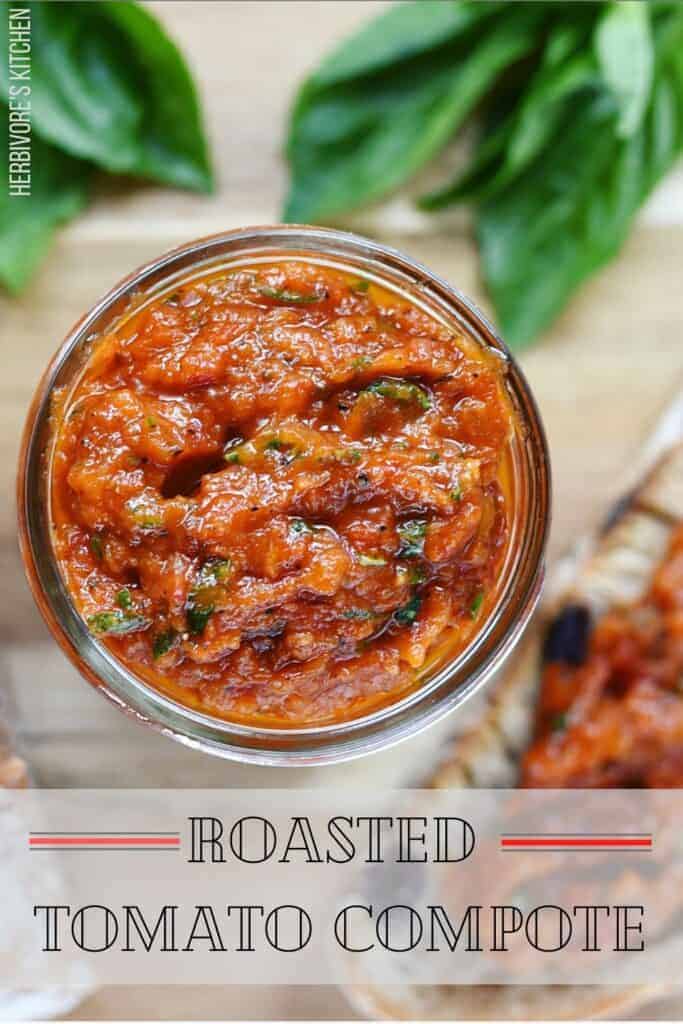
(613, 568)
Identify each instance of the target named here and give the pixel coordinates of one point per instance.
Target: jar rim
(452, 683)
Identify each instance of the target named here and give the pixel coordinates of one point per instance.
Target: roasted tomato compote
(280, 494)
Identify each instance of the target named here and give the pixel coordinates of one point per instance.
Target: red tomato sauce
(280, 494)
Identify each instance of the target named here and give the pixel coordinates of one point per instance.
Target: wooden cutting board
(601, 376)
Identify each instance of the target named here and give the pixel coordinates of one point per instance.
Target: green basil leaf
(475, 181)
(371, 560)
(163, 642)
(403, 391)
(406, 615)
(570, 35)
(362, 614)
(532, 236)
(299, 526)
(623, 42)
(289, 297)
(354, 141)
(59, 190)
(197, 618)
(406, 30)
(506, 152)
(117, 623)
(541, 113)
(208, 593)
(96, 546)
(559, 722)
(571, 211)
(110, 87)
(412, 534)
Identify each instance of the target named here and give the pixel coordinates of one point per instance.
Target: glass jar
(448, 687)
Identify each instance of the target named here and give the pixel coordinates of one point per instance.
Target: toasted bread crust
(612, 567)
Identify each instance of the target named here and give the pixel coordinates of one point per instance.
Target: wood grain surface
(601, 376)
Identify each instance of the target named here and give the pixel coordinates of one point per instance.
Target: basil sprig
(580, 111)
(110, 91)
(577, 199)
(387, 100)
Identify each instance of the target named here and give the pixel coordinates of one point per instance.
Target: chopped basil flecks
(559, 722)
(117, 622)
(298, 526)
(197, 618)
(456, 494)
(403, 391)
(347, 455)
(96, 546)
(218, 571)
(208, 590)
(231, 450)
(372, 560)
(412, 534)
(360, 362)
(274, 445)
(163, 642)
(406, 615)
(144, 513)
(289, 297)
(476, 604)
(360, 285)
(124, 599)
(362, 614)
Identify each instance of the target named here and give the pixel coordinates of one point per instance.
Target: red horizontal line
(121, 832)
(587, 842)
(104, 841)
